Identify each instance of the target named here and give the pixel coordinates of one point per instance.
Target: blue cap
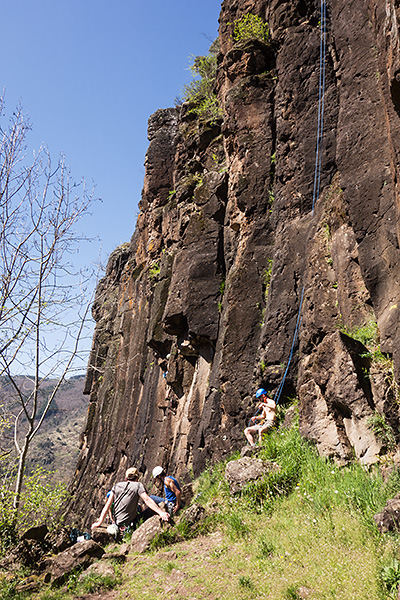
(260, 392)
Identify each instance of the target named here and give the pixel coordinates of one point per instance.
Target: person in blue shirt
(172, 491)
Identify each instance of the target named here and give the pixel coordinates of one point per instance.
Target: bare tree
(44, 300)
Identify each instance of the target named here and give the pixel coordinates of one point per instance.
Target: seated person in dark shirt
(125, 496)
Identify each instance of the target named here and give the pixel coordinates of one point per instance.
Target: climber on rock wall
(260, 423)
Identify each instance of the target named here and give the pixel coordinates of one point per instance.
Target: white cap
(157, 471)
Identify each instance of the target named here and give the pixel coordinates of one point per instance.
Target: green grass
(307, 528)
(390, 578)
(79, 584)
(330, 556)
(93, 584)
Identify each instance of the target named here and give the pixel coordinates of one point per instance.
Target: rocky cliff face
(201, 307)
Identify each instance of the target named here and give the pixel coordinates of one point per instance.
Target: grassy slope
(306, 532)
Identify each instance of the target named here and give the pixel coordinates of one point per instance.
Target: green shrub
(154, 270)
(382, 430)
(8, 526)
(40, 501)
(250, 27)
(367, 334)
(390, 578)
(200, 92)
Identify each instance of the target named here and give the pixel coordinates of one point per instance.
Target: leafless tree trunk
(44, 300)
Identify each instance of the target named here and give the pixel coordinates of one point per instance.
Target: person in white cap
(172, 490)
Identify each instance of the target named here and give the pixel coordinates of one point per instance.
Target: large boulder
(336, 402)
(27, 553)
(143, 535)
(79, 556)
(193, 514)
(239, 473)
(250, 451)
(101, 569)
(59, 540)
(102, 537)
(37, 533)
(389, 518)
(187, 494)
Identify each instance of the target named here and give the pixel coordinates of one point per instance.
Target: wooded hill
(56, 445)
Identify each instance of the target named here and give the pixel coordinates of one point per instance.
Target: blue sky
(90, 73)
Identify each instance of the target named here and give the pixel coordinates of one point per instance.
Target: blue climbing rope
(295, 336)
(321, 104)
(317, 173)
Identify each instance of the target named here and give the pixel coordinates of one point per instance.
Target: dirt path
(173, 583)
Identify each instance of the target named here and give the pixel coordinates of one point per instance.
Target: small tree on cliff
(43, 301)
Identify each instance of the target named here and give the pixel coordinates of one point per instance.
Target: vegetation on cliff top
(200, 93)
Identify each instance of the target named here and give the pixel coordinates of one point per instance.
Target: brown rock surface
(389, 518)
(143, 535)
(200, 307)
(79, 556)
(239, 473)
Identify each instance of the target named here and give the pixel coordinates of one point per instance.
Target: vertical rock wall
(200, 307)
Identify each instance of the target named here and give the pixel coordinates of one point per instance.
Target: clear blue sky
(90, 73)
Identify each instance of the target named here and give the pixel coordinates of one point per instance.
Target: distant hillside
(56, 445)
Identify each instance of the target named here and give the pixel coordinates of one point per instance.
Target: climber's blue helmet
(260, 392)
